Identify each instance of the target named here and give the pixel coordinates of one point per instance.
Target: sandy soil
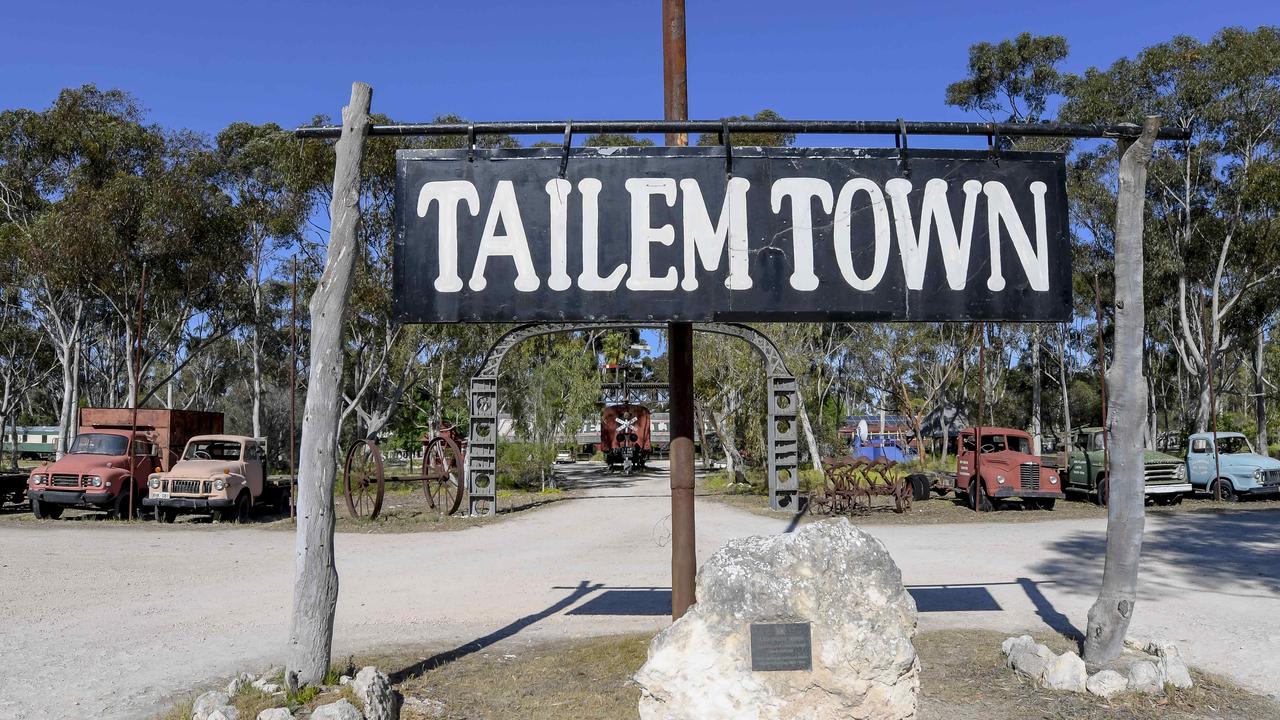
(106, 620)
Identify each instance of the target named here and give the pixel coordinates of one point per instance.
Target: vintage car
(1006, 467)
(1237, 470)
(221, 475)
(1165, 476)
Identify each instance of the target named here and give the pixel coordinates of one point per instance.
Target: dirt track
(106, 621)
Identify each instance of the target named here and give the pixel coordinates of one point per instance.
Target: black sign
(781, 646)
(647, 234)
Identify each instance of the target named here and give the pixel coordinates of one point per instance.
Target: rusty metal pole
(1102, 388)
(137, 380)
(975, 480)
(684, 559)
(293, 391)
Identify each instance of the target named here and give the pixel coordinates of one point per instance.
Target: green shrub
(521, 465)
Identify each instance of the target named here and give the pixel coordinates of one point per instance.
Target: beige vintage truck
(221, 475)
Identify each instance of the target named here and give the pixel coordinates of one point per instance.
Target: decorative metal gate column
(783, 404)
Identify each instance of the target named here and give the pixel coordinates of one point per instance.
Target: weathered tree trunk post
(1109, 617)
(315, 586)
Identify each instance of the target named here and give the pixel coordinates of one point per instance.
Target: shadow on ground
(1236, 551)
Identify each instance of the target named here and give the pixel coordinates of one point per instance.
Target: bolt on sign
(768, 234)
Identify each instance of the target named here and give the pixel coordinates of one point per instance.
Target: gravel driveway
(107, 621)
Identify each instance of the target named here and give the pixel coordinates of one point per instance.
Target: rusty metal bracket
(568, 141)
(993, 144)
(900, 142)
(471, 142)
(728, 149)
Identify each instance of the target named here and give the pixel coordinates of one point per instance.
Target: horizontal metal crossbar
(833, 127)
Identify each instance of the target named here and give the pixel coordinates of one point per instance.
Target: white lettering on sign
(705, 242)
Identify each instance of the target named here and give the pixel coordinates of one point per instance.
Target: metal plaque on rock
(781, 646)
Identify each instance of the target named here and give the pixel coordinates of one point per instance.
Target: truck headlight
(1000, 479)
(94, 480)
(219, 484)
(1257, 474)
(154, 483)
(1180, 473)
(1053, 479)
(37, 479)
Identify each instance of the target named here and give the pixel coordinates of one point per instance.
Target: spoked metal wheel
(362, 480)
(442, 480)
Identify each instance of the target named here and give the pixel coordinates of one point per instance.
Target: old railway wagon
(625, 436)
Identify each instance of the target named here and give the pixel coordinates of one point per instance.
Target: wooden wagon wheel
(363, 481)
(442, 481)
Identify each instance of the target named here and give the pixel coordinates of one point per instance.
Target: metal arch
(774, 364)
(783, 407)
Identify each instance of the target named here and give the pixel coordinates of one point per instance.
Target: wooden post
(315, 588)
(1127, 417)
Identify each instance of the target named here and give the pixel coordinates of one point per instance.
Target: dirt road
(105, 621)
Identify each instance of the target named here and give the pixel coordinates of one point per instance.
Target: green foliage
(616, 140)
(1012, 79)
(752, 139)
(523, 465)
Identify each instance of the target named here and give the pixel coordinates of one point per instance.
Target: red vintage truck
(1008, 469)
(95, 472)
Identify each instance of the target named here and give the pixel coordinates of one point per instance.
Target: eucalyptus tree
(1201, 252)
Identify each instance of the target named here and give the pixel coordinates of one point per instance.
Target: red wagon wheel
(363, 481)
(442, 481)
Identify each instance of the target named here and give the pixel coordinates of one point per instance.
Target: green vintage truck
(1166, 475)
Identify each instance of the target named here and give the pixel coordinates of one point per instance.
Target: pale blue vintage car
(1239, 470)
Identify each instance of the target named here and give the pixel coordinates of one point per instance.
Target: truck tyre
(1103, 492)
(979, 501)
(243, 508)
(1228, 492)
(919, 487)
(120, 507)
(44, 511)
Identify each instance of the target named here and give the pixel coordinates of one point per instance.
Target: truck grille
(191, 487)
(65, 481)
(1166, 474)
(1030, 476)
(1271, 477)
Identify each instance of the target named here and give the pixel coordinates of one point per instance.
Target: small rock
(344, 680)
(275, 714)
(1161, 648)
(226, 712)
(1107, 683)
(1032, 660)
(1008, 645)
(341, 710)
(1066, 672)
(381, 701)
(1175, 672)
(207, 703)
(425, 707)
(1144, 677)
(239, 682)
(266, 687)
(272, 673)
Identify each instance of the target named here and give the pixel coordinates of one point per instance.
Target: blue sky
(202, 65)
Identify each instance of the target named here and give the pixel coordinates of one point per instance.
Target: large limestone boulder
(829, 574)
(341, 710)
(1066, 672)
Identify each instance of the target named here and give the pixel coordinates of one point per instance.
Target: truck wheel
(919, 487)
(44, 511)
(243, 509)
(120, 508)
(1228, 493)
(979, 501)
(1103, 492)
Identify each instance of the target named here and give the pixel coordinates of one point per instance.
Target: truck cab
(1164, 476)
(95, 474)
(220, 475)
(1002, 466)
(1229, 462)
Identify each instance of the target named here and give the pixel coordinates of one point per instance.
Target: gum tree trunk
(315, 586)
(1126, 417)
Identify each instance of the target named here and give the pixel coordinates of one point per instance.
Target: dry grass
(963, 677)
